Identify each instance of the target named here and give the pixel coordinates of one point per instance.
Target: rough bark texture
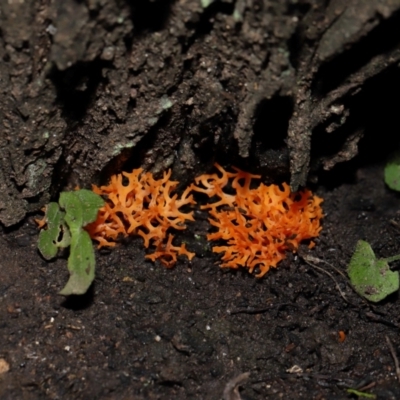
(91, 87)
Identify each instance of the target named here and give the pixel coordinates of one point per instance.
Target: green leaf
(81, 264)
(372, 277)
(81, 207)
(66, 228)
(56, 235)
(392, 173)
(91, 202)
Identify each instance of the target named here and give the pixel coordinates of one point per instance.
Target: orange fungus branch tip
(138, 204)
(257, 225)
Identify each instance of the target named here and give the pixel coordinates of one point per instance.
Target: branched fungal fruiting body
(258, 225)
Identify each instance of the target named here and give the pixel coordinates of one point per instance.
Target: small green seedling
(65, 222)
(372, 277)
(392, 173)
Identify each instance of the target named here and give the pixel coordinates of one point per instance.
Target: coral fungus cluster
(138, 204)
(256, 225)
(259, 225)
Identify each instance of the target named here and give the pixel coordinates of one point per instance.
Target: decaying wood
(88, 88)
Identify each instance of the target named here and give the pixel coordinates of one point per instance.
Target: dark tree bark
(92, 87)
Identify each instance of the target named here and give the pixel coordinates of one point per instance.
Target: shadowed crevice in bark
(76, 87)
(355, 29)
(373, 116)
(382, 39)
(271, 122)
(149, 15)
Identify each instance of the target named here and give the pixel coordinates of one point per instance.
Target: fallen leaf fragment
(295, 369)
(4, 366)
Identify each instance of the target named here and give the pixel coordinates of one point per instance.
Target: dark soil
(145, 332)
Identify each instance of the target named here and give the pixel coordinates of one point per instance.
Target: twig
(396, 361)
(308, 260)
(251, 310)
(367, 387)
(395, 224)
(307, 257)
(376, 318)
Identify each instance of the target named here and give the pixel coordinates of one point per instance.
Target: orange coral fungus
(138, 204)
(259, 224)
